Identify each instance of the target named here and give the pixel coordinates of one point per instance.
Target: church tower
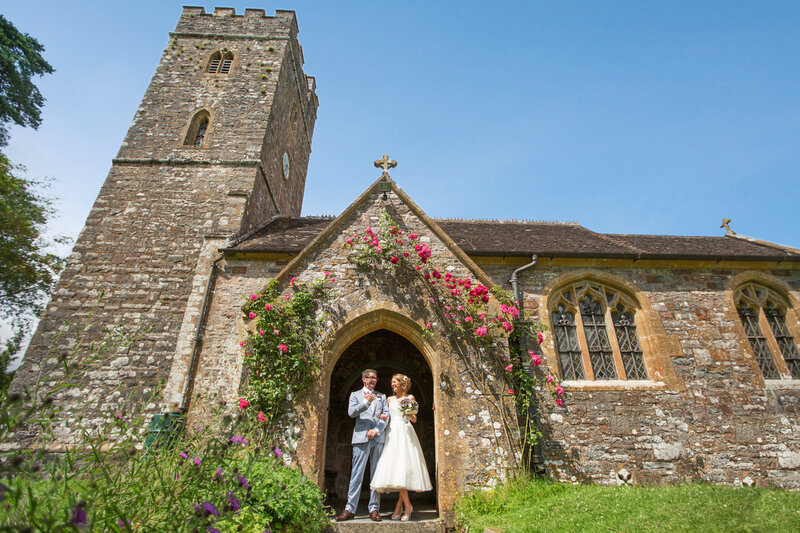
(219, 145)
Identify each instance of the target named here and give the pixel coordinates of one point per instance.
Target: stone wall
(717, 421)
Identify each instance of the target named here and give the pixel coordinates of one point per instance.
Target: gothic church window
(197, 130)
(595, 333)
(220, 63)
(763, 315)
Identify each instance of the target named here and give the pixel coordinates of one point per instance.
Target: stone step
(422, 521)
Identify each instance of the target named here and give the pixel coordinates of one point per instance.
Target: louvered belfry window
(763, 315)
(220, 63)
(595, 334)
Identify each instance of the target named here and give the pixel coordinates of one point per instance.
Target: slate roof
(547, 239)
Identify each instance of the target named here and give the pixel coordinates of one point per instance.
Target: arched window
(220, 62)
(197, 129)
(595, 333)
(763, 315)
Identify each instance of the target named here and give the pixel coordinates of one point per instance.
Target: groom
(371, 411)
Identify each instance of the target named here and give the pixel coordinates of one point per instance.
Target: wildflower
(197, 461)
(253, 297)
(233, 503)
(124, 522)
(559, 402)
(183, 456)
(278, 453)
(210, 529)
(242, 481)
(205, 509)
(549, 379)
(539, 337)
(559, 390)
(237, 439)
(481, 331)
(261, 417)
(79, 516)
(118, 415)
(268, 307)
(509, 368)
(282, 348)
(243, 403)
(218, 473)
(251, 314)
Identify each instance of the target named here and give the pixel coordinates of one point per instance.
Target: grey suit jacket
(368, 415)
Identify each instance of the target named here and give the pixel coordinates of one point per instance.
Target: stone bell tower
(219, 144)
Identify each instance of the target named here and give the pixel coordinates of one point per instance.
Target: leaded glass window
(596, 336)
(763, 314)
(595, 333)
(628, 340)
(569, 350)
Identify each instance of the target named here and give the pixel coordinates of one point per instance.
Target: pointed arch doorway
(388, 353)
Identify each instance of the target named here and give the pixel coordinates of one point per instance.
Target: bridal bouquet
(408, 407)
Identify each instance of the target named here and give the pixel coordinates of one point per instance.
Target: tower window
(220, 63)
(595, 334)
(197, 129)
(763, 315)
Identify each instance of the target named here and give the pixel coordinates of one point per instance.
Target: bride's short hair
(404, 380)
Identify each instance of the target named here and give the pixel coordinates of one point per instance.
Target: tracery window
(763, 315)
(595, 333)
(220, 62)
(197, 129)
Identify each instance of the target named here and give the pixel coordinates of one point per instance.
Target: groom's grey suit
(368, 416)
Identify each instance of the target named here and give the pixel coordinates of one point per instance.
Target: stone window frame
(190, 131)
(756, 290)
(657, 347)
(220, 64)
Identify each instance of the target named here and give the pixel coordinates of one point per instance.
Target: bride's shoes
(396, 516)
(406, 516)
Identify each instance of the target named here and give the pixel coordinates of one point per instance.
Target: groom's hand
(369, 397)
(371, 434)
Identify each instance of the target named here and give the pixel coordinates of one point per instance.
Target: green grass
(538, 505)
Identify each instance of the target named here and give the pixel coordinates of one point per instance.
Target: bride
(401, 466)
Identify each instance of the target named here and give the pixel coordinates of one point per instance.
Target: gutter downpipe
(515, 282)
(198, 336)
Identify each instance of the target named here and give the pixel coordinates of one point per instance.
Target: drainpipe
(515, 282)
(188, 383)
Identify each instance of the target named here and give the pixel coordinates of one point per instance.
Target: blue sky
(626, 117)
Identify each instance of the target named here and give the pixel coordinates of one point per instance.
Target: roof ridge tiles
(506, 221)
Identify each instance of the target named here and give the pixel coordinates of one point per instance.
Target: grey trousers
(361, 452)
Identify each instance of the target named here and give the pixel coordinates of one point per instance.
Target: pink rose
(276, 332)
(253, 297)
(536, 360)
(251, 314)
(243, 403)
(549, 379)
(508, 327)
(282, 348)
(261, 332)
(261, 417)
(241, 343)
(481, 331)
(413, 236)
(379, 249)
(419, 267)
(268, 307)
(467, 318)
(511, 391)
(428, 325)
(509, 368)
(393, 260)
(405, 254)
(368, 230)
(559, 390)
(287, 296)
(348, 241)
(559, 402)
(291, 282)
(539, 337)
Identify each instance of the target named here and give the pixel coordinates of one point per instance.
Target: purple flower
(183, 456)
(236, 439)
(242, 481)
(79, 516)
(210, 529)
(278, 453)
(123, 522)
(205, 509)
(218, 473)
(233, 503)
(197, 461)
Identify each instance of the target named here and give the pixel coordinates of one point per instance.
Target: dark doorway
(388, 353)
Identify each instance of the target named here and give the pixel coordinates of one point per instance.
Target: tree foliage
(20, 60)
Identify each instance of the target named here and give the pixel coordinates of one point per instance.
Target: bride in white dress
(402, 465)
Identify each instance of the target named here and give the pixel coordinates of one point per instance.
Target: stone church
(678, 355)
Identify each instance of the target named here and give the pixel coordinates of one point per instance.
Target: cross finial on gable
(386, 164)
(725, 224)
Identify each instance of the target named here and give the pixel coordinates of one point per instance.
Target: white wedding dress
(402, 465)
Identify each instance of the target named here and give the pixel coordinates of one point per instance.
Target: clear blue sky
(627, 117)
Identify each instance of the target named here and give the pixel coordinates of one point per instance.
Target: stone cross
(385, 163)
(725, 222)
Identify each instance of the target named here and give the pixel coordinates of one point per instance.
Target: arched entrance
(388, 353)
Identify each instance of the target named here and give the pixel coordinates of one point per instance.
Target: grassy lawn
(539, 505)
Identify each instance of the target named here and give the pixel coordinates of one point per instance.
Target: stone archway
(388, 353)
